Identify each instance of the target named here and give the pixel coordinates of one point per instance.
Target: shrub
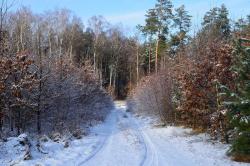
(54, 98)
(153, 96)
(200, 104)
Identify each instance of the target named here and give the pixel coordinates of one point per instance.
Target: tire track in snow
(101, 144)
(150, 157)
(142, 140)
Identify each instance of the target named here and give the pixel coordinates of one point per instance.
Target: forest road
(125, 145)
(133, 141)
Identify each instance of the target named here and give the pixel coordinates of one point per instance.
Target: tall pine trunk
(149, 59)
(156, 55)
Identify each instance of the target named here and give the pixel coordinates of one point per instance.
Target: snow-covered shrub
(77, 98)
(52, 95)
(153, 96)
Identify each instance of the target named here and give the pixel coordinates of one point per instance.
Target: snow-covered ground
(124, 140)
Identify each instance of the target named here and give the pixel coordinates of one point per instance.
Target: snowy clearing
(124, 140)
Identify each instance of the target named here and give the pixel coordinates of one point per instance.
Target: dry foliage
(199, 79)
(153, 96)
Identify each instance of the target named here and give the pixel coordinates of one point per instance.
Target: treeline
(105, 46)
(202, 81)
(48, 81)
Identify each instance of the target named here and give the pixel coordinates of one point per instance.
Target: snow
(123, 140)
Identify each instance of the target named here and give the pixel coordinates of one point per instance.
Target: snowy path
(124, 145)
(134, 142)
(126, 140)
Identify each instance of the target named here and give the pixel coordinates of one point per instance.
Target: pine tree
(248, 19)
(182, 20)
(157, 25)
(164, 13)
(210, 17)
(239, 24)
(239, 102)
(223, 21)
(149, 30)
(151, 23)
(217, 23)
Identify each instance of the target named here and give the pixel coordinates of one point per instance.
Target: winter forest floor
(125, 140)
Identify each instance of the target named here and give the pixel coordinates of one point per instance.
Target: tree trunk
(1, 122)
(137, 64)
(40, 86)
(149, 59)
(70, 53)
(130, 77)
(21, 38)
(114, 84)
(50, 45)
(101, 81)
(94, 60)
(19, 121)
(110, 77)
(156, 55)
(60, 60)
(11, 117)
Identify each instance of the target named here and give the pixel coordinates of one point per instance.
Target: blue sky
(131, 12)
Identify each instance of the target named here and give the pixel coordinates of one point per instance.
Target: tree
(224, 23)
(242, 27)
(239, 102)
(157, 25)
(210, 17)
(4, 7)
(76, 33)
(149, 30)
(164, 14)
(97, 24)
(216, 22)
(182, 21)
(21, 31)
(19, 81)
(163, 9)
(39, 84)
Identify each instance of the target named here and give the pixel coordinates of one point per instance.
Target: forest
(202, 81)
(58, 74)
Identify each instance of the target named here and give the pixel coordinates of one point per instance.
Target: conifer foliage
(239, 101)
